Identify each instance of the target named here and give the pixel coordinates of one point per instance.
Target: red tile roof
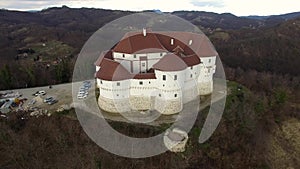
(191, 60)
(138, 42)
(170, 62)
(104, 54)
(200, 45)
(145, 76)
(186, 50)
(112, 71)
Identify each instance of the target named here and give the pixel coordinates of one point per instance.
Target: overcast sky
(237, 7)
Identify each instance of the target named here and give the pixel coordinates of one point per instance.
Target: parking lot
(55, 97)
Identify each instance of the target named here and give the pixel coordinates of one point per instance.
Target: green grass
(52, 50)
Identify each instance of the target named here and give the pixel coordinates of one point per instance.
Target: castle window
(149, 82)
(209, 60)
(161, 54)
(134, 56)
(101, 82)
(208, 70)
(123, 55)
(175, 77)
(163, 85)
(141, 82)
(190, 42)
(117, 94)
(118, 83)
(159, 95)
(191, 75)
(191, 67)
(175, 95)
(164, 77)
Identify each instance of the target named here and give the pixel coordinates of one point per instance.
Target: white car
(81, 96)
(82, 92)
(39, 93)
(48, 99)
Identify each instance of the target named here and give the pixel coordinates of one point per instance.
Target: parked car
(48, 99)
(81, 96)
(32, 102)
(39, 93)
(52, 102)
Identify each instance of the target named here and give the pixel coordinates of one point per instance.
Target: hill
(55, 36)
(218, 21)
(275, 49)
(275, 19)
(259, 127)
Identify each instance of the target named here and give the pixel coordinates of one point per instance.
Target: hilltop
(56, 35)
(259, 127)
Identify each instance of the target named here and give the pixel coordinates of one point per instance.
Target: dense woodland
(260, 125)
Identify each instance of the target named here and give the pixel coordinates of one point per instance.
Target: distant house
(155, 70)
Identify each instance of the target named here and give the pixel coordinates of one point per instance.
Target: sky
(236, 7)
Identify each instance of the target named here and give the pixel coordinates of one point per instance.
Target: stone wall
(114, 106)
(168, 107)
(140, 103)
(205, 88)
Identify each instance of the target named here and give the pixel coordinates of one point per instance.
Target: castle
(155, 71)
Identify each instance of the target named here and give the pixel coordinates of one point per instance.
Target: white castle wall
(145, 85)
(205, 80)
(166, 96)
(114, 89)
(170, 87)
(190, 91)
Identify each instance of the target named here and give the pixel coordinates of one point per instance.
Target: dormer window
(190, 42)
(172, 41)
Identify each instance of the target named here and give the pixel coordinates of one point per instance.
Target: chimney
(144, 31)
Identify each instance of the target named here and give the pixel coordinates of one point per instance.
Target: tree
(5, 77)
(62, 71)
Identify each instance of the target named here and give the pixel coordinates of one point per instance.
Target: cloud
(239, 8)
(27, 4)
(212, 3)
(36, 4)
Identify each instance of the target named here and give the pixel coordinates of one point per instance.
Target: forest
(260, 125)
